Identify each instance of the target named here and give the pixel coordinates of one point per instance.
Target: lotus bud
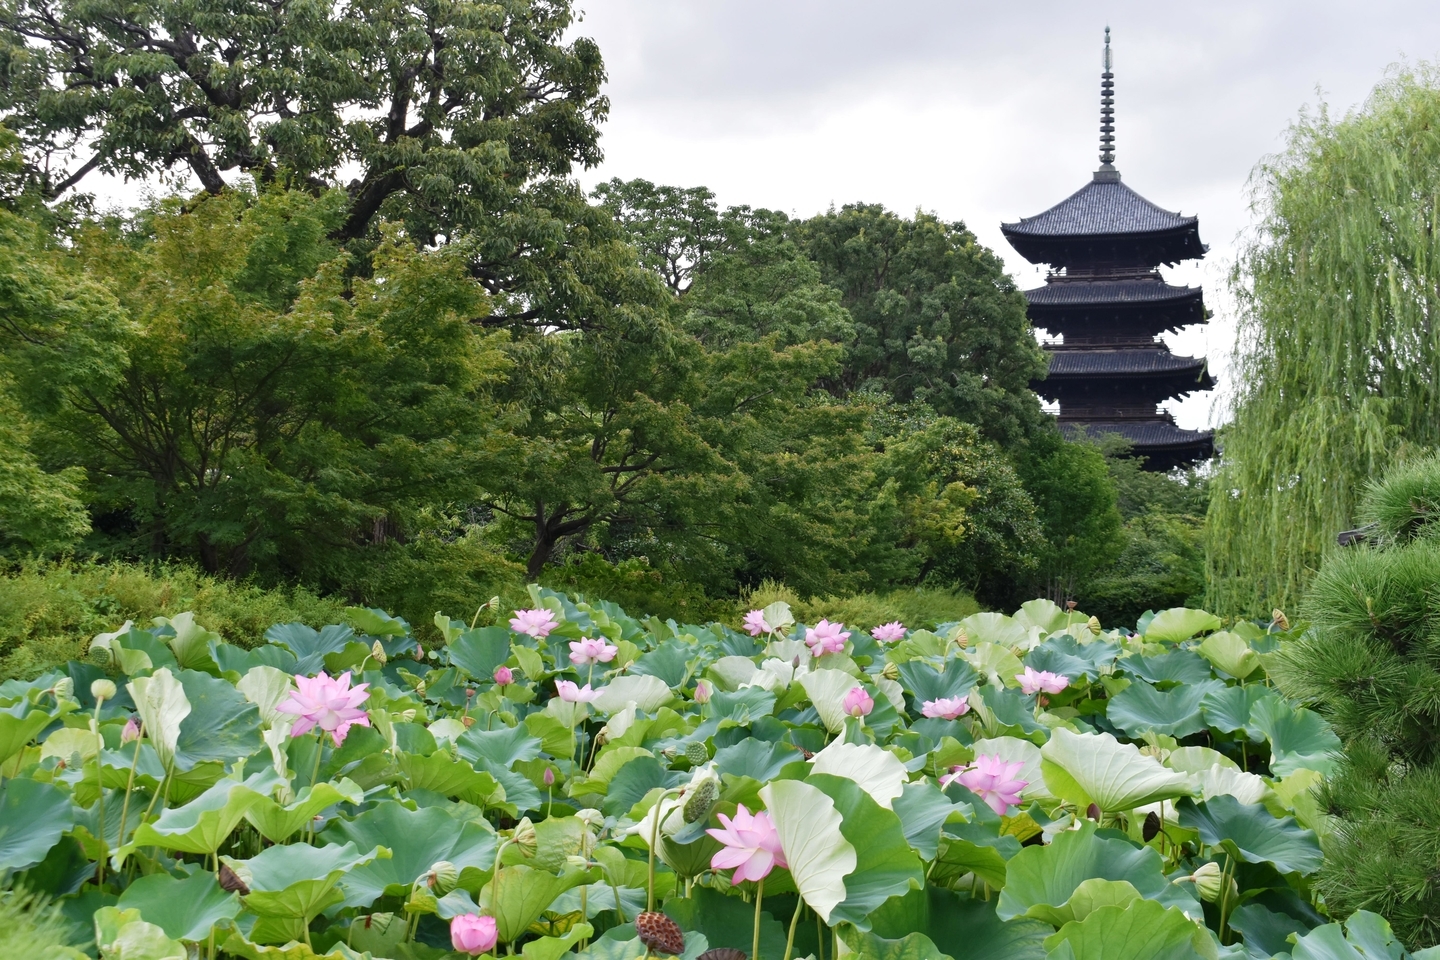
(99, 656)
(1207, 880)
(1094, 624)
(469, 693)
(469, 721)
(64, 688)
(131, 733)
(103, 689)
(574, 860)
(697, 807)
(443, 877)
(1093, 812)
(377, 653)
(696, 753)
(524, 838)
(1281, 621)
(419, 653)
(703, 692)
(549, 777)
(504, 676)
(891, 671)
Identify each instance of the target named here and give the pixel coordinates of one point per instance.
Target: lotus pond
(576, 781)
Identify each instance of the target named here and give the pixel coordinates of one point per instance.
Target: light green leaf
(1097, 768)
(1041, 880)
(1179, 624)
(810, 834)
(878, 771)
(1145, 930)
(278, 822)
(191, 642)
(518, 895)
(826, 689)
(376, 623)
(1366, 937)
(885, 865)
(553, 948)
(1230, 653)
(1047, 615)
(266, 687)
(18, 726)
(997, 664)
(122, 935)
(203, 824)
(1249, 832)
(68, 741)
(605, 769)
(449, 777)
(778, 615)
(33, 815)
(1141, 708)
(185, 909)
(1300, 739)
(648, 693)
(867, 946)
(290, 884)
(161, 702)
(994, 628)
(418, 838)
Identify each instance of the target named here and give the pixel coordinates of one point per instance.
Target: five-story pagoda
(1104, 306)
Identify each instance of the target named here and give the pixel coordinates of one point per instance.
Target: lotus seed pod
(377, 653)
(1094, 624)
(591, 817)
(701, 800)
(525, 839)
(1281, 621)
(98, 655)
(64, 688)
(891, 671)
(1151, 828)
(103, 689)
(660, 933)
(408, 715)
(962, 639)
(1208, 881)
(723, 953)
(443, 877)
(696, 753)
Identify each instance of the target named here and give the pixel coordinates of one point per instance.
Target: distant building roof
(1162, 443)
(1091, 362)
(1078, 293)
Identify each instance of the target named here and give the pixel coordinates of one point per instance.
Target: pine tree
(1371, 664)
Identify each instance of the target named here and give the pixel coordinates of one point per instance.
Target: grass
(915, 607)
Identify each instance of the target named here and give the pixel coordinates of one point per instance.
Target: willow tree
(1338, 352)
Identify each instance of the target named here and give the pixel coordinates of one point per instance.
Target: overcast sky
(986, 112)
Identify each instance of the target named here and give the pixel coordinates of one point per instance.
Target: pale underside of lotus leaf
(1098, 769)
(818, 855)
(878, 771)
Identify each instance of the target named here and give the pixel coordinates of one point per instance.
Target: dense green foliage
(1338, 361)
(1370, 666)
(1158, 793)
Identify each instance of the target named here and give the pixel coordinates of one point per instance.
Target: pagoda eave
(1163, 444)
(1167, 247)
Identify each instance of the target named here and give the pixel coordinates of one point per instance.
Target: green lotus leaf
(266, 687)
(1177, 666)
(876, 770)
(885, 864)
(203, 824)
(826, 690)
(308, 645)
(185, 908)
(290, 884)
(1142, 708)
(1266, 930)
(957, 919)
(33, 815)
(1047, 615)
(912, 946)
(1229, 709)
(443, 774)
(1229, 653)
(517, 896)
(376, 623)
(1144, 930)
(1251, 833)
(553, 948)
(648, 693)
(633, 782)
(122, 935)
(1040, 881)
(923, 810)
(417, 838)
(479, 652)
(758, 759)
(1366, 936)
(743, 707)
(19, 723)
(161, 701)
(994, 628)
(975, 847)
(1071, 658)
(996, 663)
(519, 791)
(277, 822)
(191, 642)
(1097, 768)
(66, 742)
(221, 725)
(810, 828)
(605, 769)
(670, 661)
(1179, 624)
(924, 682)
(727, 921)
(237, 944)
(1300, 739)
(1003, 711)
(504, 746)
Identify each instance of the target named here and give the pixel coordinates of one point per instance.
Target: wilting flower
(588, 650)
(752, 845)
(888, 632)
(536, 623)
(327, 702)
(946, 708)
(703, 691)
(570, 693)
(504, 676)
(1041, 681)
(131, 732)
(755, 623)
(858, 703)
(473, 934)
(992, 780)
(826, 637)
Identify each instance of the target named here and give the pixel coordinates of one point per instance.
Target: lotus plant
(858, 703)
(1034, 681)
(755, 623)
(329, 703)
(992, 779)
(751, 847)
(945, 708)
(889, 632)
(826, 637)
(586, 652)
(535, 623)
(473, 934)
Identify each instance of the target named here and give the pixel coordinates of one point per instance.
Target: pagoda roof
(1161, 442)
(1062, 292)
(1092, 363)
(1103, 221)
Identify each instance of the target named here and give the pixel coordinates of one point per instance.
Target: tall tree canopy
(1338, 350)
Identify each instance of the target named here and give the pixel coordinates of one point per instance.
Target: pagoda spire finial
(1107, 109)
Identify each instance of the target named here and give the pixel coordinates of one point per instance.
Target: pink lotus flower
(536, 623)
(1041, 681)
(587, 650)
(888, 632)
(504, 676)
(570, 693)
(131, 732)
(327, 702)
(752, 845)
(946, 708)
(992, 780)
(755, 623)
(473, 934)
(826, 637)
(858, 703)
(548, 776)
(703, 691)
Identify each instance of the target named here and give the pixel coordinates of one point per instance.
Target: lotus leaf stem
(759, 897)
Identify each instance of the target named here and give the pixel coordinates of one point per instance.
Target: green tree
(1338, 363)
(273, 415)
(674, 228)
(936, 317)
(1369, 665)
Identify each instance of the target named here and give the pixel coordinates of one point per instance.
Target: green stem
(794, 921)
(1225, 879)
(759, 896)
(315, 775)
(819, 937)
(129, 786)
(100, 782)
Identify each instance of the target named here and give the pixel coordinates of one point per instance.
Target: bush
(915, 607)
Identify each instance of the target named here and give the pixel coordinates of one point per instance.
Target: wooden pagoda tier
(1104, 306)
